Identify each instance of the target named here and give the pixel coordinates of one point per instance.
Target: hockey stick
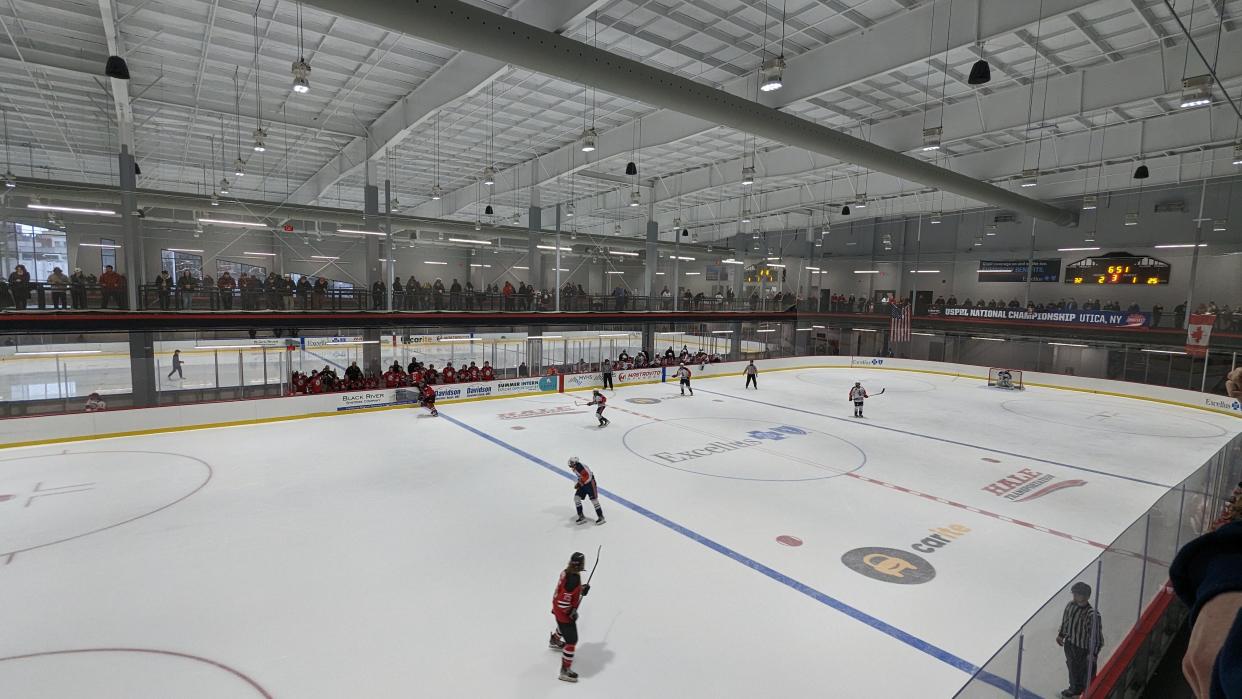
(882, 390)
(597, 552)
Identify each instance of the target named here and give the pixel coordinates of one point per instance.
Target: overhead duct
(454, 23)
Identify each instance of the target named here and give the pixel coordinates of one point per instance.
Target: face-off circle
(642, 401)
(61, 497)
(1110, 417)
(744, 449)
(123, 672)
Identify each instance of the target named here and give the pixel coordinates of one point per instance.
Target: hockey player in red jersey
(858, 394)
(487, 373)
(569, 593)
(474, 372)
(598, 398)
(449, 375)
(585, 488)
(427, 399)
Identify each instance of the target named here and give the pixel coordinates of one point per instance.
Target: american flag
(899, 322)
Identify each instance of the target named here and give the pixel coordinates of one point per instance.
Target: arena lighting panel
(925, 334)
(470, 241)
(766, 330)
(433, 262)
(227, 347)
(55, 353)
(616, 335)
(773, 264)
(1180, 245)
(260, 254)
(864, 330)
(672, 332)
(183, 250)
(546, 337)
(106, 246)
(924, 271)
(324, 257)
(230, 222)
(802, 330)
(461, 339)
(1076, 249)
(1152, 351)
(722, 332)
(622, 252)
(995, 271)
(360, 232)
(691, 274)
(732, 261)
(521, 268)
(552, 247)
(70, 209)
(818, 327)
(989, 339)
(866, 271)
(1066, 344)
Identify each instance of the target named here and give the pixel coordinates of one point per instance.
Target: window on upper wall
(236, 268)
(107, 256)
(39, 249)
(177, 262)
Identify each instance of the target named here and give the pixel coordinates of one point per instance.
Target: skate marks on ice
(122, 673)
(892, 381)
(738, 447)
(1105, 415)
(65, 496)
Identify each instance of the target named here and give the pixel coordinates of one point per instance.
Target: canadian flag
(1198, 333)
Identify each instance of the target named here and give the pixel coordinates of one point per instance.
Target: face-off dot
(787, 540)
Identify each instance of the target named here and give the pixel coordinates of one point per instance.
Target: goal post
(1000, 377)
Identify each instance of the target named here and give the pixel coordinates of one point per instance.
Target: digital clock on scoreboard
(1118, 268)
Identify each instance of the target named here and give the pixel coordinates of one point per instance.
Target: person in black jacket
(1207, 576)
(353, 373)
(19, 287)
(163, 286)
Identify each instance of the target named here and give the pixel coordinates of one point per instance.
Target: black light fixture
(116, 68)
(1141, 172)
(137, 170)
(685, 232)
(488, 211)
(845, 210)
(980, 72)
(631, 168)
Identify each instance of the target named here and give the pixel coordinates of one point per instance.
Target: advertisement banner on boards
(1117, 319)
(640, 375)
(574, 382)
(356, 400)
(536, 384)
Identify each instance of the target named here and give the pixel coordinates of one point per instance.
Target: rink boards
(750, 548)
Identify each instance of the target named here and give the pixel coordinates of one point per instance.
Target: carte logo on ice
(889, 565)
(1028, 484)
(757, 437)
(539, 412)
(941, 537)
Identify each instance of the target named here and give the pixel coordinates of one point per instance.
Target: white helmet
(573, 461)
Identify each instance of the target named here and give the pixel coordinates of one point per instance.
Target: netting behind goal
(1005, 378)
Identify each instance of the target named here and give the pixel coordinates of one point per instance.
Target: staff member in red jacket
(569, 593)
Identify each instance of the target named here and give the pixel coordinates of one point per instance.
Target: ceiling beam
(120, 88)
(1153, 25)
(479, 31)
(1093, 36)
(895, 43)
(463, 75)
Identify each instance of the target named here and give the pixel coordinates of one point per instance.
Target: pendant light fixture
(1030, 175)
(260, 135)
(10, 180)
(224, 181)
(772, 70)
(301, 69)
(489, 173)
(436, 191)
(239, 165)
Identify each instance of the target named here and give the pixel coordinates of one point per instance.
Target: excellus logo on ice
(755, 438)
(1224, 404)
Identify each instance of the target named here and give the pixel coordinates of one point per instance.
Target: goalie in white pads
(858, 394)
(1004, 379)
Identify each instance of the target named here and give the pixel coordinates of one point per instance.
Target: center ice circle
(744, 449)
(53, 498)
(1110, 417)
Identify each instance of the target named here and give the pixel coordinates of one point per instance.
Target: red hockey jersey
(565, 601)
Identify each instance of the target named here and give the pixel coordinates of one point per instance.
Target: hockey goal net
(1005, 378)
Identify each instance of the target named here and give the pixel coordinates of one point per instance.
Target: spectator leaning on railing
(59, 284)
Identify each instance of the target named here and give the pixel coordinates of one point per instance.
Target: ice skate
(555, 642)
(580, 520)
(600, 520)
(568, 675)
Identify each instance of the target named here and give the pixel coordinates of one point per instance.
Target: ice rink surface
(392, 554)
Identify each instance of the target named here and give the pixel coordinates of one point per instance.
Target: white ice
(392, 554)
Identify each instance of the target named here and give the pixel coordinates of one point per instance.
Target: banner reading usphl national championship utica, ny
(1199, 333)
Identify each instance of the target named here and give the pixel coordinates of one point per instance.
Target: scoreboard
(1118, 268)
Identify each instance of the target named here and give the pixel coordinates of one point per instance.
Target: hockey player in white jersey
(858, 394)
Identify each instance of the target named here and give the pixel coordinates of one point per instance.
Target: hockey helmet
(577, 561)
(573, 462)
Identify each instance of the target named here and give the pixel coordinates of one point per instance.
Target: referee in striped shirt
(1081, 636)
